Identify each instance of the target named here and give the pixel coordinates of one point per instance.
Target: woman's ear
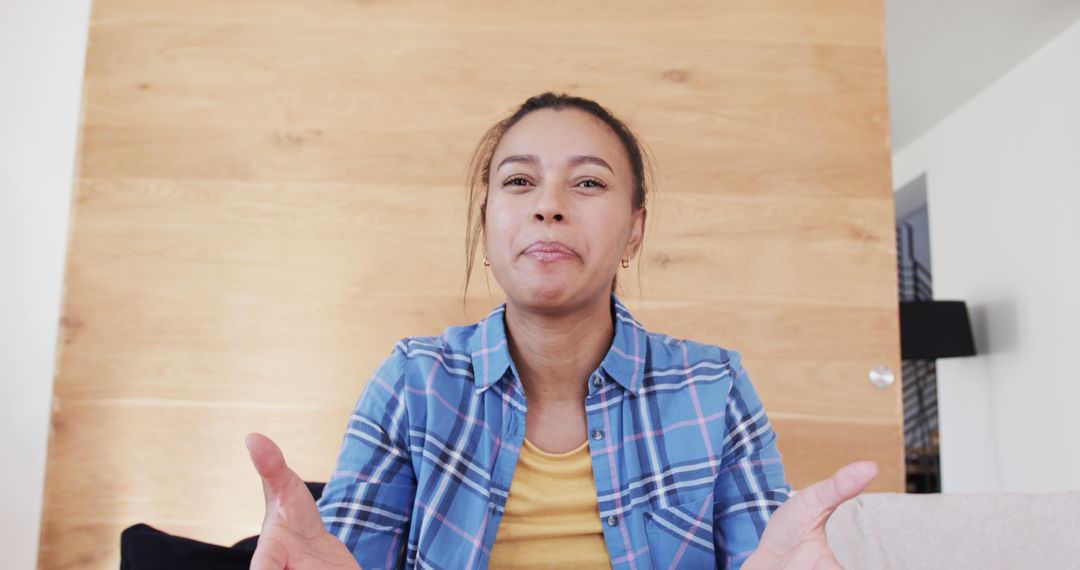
(637, 233)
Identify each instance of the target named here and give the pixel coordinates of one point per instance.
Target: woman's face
(560, 213)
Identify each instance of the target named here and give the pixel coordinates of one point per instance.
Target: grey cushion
(1006, 530)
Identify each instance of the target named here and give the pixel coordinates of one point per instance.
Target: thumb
(823, 497)
(269, 463)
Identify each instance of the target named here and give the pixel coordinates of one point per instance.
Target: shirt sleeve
(368, 501)
(751, 484)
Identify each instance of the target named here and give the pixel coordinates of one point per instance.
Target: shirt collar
(624, 362)
(490, 351)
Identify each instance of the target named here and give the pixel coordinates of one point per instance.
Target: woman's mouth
(549, 251)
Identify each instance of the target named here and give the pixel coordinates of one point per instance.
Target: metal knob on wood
(882, 377)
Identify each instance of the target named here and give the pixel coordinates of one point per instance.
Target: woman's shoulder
(667, 355)
(664, 348)
(680, 363)
(451, 351)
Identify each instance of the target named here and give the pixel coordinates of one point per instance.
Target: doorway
(921, 449)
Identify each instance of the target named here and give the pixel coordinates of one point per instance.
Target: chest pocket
(681, 536)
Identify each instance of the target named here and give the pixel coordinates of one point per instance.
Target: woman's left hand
(795, 538)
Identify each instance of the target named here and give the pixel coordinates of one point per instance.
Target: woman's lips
(549, 251)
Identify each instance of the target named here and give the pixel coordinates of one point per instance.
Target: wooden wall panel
(270, 194)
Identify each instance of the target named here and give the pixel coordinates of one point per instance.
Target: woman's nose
(549, 206)
(542, 215)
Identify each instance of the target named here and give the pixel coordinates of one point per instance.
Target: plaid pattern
(685, 462)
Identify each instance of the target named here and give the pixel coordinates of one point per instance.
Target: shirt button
(612, 521)
(597, 434)
(597, 381)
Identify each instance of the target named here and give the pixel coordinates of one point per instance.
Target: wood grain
(270, 194)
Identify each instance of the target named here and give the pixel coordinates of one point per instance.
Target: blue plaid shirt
(685, 462)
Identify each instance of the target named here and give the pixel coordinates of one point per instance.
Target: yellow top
(551, 519)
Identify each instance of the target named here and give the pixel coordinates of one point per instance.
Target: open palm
(795, 538)
(293, 536)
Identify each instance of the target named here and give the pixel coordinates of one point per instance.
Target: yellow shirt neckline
(564, 455)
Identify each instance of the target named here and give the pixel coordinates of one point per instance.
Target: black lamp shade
(935, 329)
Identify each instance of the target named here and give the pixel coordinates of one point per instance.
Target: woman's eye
(515, 181)
(592, 183)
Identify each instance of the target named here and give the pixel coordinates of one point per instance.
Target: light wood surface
(270, 194)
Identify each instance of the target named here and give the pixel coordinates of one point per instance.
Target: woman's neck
(555, 354)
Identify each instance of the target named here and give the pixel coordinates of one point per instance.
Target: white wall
(42, 49)
(941, 53)
(1003, 191)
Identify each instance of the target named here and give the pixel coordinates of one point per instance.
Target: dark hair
(480, 165)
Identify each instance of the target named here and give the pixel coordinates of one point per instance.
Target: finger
(269, 463)
(852, 479)
(827, 563)
(269, 555)
(823, 497)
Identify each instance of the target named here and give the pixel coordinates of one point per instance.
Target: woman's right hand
(293, 536)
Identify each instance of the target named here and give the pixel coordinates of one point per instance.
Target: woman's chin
(550, 295)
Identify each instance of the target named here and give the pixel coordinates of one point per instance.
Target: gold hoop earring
(486, 262)
(626, 262)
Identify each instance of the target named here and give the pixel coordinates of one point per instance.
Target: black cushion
(143, 547)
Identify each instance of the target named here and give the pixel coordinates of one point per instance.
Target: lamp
(935, 329)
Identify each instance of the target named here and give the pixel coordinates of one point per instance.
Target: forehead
(554, 135)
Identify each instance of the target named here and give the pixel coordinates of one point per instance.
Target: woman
(637, 450)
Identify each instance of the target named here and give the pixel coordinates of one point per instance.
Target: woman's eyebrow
(586, 159)
(528, 158)
(574, 160)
